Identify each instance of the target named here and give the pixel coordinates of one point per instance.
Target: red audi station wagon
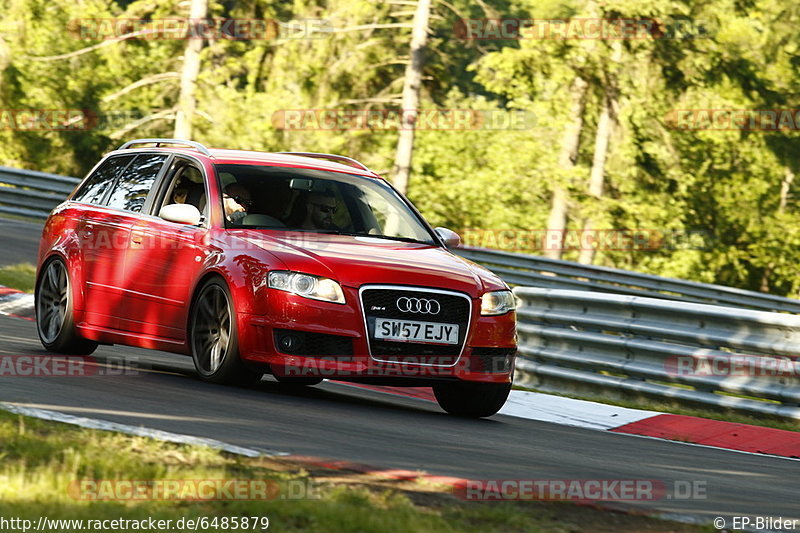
(301, 265)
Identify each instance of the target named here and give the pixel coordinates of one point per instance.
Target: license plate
(415, 331)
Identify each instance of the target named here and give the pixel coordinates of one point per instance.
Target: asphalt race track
(340, 422)
(19, 241)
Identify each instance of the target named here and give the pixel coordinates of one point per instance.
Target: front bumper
(488, 353)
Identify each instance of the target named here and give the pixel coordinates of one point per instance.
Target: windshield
(295, 199)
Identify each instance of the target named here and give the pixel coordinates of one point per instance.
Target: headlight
(497, 303)
(306, 285)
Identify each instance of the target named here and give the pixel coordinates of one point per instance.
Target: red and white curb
(16, 303)
(654, 424)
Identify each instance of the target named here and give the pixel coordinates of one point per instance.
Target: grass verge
(40, 461)
(21, 277)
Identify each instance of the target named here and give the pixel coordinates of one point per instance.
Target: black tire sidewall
(232, 370)
(67, 341)
(471, 399)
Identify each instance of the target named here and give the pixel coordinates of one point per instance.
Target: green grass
(39, 460)
(21, 277)
(665, 406)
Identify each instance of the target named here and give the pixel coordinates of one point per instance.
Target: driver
(320, 208)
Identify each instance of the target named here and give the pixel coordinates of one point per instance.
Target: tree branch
(388, 100)
(141, 83)
(93, 47)
(168, 114)
(373, 27)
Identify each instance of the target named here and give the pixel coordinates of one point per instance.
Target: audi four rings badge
(418, 305)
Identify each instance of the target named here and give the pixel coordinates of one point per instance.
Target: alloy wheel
(212, 329)
(52, 302)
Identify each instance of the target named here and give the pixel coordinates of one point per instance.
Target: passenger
(179, 194)
(237, 202)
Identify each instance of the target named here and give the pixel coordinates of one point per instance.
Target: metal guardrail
(32, 194)
(700, 354)
(535, 271)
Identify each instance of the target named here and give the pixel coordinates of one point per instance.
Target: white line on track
(157, 434)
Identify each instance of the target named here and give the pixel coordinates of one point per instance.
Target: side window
(94, 188)
(136, 182)
(185, 186)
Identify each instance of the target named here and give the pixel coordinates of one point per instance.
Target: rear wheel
(54, 313)
(470, 399)
(214, 338)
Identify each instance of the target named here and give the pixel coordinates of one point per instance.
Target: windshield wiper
(386, 237)
(394, 238)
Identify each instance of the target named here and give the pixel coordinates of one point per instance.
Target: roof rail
(340, 158)
(197, 146)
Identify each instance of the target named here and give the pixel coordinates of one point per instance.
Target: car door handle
(88, 229)
(136, 239)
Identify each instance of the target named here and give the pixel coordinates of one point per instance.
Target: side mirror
(450, 238)
(181, 213)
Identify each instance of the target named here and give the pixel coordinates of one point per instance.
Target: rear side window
(136, 182)
(94, 189)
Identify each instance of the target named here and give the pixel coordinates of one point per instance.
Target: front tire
(471, 399)
(55, 320)
(214, 338)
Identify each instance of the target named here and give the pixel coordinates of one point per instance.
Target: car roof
(245, 157)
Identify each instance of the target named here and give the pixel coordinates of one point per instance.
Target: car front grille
(382, 302)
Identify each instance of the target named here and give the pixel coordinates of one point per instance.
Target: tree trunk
(187, 101)
(605, 127)
(5, 60)
(786, 185)
(557, 221)
(410, 100)
(596, 178)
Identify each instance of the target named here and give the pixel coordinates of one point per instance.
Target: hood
(355, 261)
